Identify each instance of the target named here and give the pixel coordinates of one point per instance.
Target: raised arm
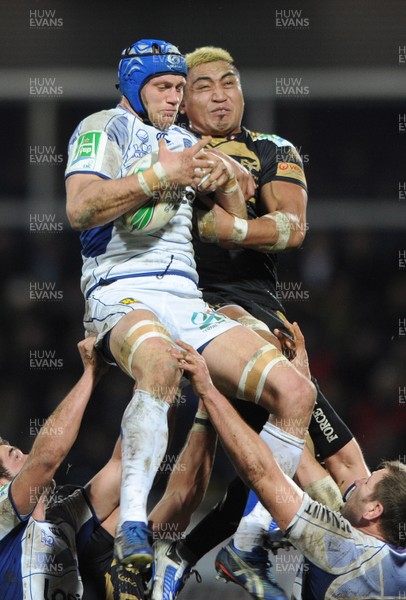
(250, 455)
(347, 465)
(189, 478)
(104, 488)
(57, 435)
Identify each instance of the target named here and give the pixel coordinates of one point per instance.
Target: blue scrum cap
(141, 62)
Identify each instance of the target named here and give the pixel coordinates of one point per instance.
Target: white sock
(253, 527)
(286, 448)
(144, 437)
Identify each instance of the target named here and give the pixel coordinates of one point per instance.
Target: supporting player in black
(244, 273)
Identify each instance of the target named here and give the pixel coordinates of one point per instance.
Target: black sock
(220, 523)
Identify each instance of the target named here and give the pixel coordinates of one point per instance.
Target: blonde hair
(207, 54)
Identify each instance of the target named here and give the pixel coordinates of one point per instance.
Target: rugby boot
(124, 581)
(170, 571)
(132, 547)
(250, 570)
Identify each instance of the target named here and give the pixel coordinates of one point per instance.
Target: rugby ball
(159, 209)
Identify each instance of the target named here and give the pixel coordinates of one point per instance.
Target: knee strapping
(253, 323)
(253, 378)
(136, 335)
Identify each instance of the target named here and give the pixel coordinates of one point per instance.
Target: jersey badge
(88, 150)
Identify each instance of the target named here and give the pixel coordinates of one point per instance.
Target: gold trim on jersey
(234, 148)
(290, 170)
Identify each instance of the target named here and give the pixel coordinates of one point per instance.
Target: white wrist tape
(325, 491)
(201, 422)
(161, 174)
(230, 187)
(240, 230)
(144, 185)
(283, 227)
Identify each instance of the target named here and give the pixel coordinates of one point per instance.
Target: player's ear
(374, 510)
(182, 107)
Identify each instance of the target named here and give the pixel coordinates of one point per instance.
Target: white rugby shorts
(175, 300)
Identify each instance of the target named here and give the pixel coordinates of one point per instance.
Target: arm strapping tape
(153, 179)
(161, 174)
(230, 187)
(240, 230)
(144, 185)
(283, 227)
(202, 422)
(325, 491)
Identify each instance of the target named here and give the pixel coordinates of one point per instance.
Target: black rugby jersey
(240, 275)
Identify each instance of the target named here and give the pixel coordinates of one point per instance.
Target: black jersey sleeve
(279, 159)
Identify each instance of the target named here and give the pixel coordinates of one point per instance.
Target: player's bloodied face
(213, 101)
(161, 97)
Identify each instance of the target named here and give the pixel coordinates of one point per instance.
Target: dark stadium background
(346, 286)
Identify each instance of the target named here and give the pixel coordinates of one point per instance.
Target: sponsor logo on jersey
(278, 141)
(47, 539)
(325, 426)
(287, 169)
(142, 135)
(162, 135)
(207, 320)
(87, 145)
(4, 489)
(59, 533)
(128, 301)
(324, 514)
(89, 149)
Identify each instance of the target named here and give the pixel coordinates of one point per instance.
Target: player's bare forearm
(263, 234)
(244, 177)
(58, 434)
(232, 202)
(316, 481)
(346, 465)
(65, 422)
(253, 460)
(92, 201)
(188, 482)
(282, 225)
(104, 488)
(248, 452)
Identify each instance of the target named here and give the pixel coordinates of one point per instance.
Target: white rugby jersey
(342, 562)
(107, 144)
(38, 559)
